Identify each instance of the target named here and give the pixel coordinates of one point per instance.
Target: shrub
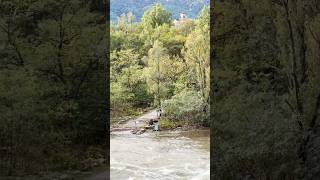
(187, 105)
(168, 124)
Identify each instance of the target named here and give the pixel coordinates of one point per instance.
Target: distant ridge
(190, 7)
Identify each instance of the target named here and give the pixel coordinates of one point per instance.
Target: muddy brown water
(162, 155)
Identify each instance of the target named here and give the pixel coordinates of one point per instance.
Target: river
(163, 155)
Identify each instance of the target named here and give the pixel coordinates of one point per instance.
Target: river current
(163, 155)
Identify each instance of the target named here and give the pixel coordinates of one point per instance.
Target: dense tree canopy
(167, 62)
(190, 7)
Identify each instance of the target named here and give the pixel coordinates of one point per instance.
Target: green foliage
(187, 105)
(191, 7)
(128, 87)
(197, 52)
(166, 124)
(154, 61)
(53, 91)
(264, 95)
(152, 20)
(172, 40)
(156, 16)
(203, 21)
(154, 71)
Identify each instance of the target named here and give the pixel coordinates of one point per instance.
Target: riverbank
(143, 118)
(167, 124)
(120, 118)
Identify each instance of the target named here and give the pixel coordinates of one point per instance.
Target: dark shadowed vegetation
(53, 91)
(266, 90)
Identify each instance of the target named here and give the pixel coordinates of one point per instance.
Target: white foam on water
(158, 156)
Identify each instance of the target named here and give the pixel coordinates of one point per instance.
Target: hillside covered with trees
(158, 63)
(266, 90)
(190, 7)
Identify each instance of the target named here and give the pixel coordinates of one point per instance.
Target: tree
(156, 16)
(128, 85)
(151, 20)
(53, 53)
(203, 21)
(265, 91)
(154, 76)
(299, 42)
(197, 52)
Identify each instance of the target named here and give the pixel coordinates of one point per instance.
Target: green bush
(187, 105)
(166, 124)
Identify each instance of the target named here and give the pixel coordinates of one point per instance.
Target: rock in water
(141, 131)
(134, 131)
